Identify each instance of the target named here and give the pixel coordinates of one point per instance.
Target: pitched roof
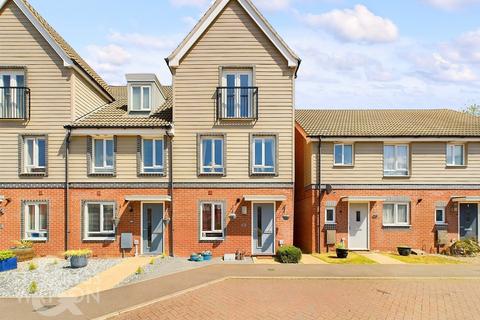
(30, 12)
(212, 13)
(116, 114)
(388, 123)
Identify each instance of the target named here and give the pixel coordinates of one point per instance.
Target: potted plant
(78, 258)
(342, 252)
(23, 250)
(8, 260)
(196, 257)
(404, 250)
(207, 255)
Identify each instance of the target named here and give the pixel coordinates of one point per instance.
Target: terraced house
(383, 178)
(205, 164)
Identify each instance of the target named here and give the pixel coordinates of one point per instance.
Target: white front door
(358, 232)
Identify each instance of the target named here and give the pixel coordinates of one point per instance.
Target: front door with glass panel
(468, 221)
(12, 94)
(153, 228)
(238, 100)
(358, 226)
(263, 228)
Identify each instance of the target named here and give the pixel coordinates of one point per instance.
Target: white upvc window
(329, 215)
(141, 98)
(264, 154)
(396, 214)
(212, 221)
(396, 160)
(152, 155)
(455, 155)
(440, 215)
(237, 94)
(211, 151)
(99, 221)
(35, 154)
(103, 155)
(36, 221)
(13, 92)
(343, 154)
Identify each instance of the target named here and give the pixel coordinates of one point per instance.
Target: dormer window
(141, 98)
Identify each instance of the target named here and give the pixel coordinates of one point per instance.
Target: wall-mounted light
(285, 215)
(244, 209)
(419, 200)
(232, 215)
(130, 209)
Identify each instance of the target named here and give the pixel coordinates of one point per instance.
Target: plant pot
(207, 257)
(404, 251)
(9, 264)
(196, 257)
(342, 253)
(78, 261)
(23, 254)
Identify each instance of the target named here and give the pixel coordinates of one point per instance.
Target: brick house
(204, 164)
(382, 178)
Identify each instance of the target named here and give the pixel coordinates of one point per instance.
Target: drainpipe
(319, 187)
(170, 135)
(67, 186)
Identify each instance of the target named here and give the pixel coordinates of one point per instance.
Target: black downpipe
(319, 188)
(170, 187)
(67, 188)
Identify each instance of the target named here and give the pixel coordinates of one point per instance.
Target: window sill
(343, 165)
(101, 174)
(270, 174)
(33, 174)
(212, 239)
(111, 239)
(331, 223)
(152, 174)
(395, 176)
(463, 166)
(395, 226)
(36, 239)
(211, 174)
(441, 224)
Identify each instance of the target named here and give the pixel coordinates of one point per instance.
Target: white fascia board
(264, 198)
(118, 131)
(159, 198)
(67, 62)
(390, 139)
(174, 59)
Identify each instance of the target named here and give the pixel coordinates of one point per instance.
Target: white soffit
(358, 199)
(148, 198)
(465, 199)
(264, 197)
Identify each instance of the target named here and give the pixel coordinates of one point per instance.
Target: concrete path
(264, 260)
(309, 259)
(108, 279)
(145, 293)
(380, 258)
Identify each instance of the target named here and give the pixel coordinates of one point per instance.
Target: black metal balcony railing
(14, 103)
(237, 103)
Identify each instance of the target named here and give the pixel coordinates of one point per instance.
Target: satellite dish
(328, 188)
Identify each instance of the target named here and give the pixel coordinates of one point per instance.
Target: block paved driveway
(321, 299)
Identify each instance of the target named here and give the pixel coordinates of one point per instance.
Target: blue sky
(356, 54)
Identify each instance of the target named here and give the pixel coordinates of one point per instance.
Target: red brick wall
(420, 235)
(238, 234)
(11, 218)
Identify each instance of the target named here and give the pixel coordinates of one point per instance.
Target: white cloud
(273, 5)
(451, 4)
(111, 54)
(437, 67)
(358, 24)
(465, 49)
(190, 3)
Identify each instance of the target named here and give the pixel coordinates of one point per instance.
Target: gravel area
(168, 265)
(52, 275)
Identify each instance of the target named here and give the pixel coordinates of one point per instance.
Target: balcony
(14, 103)
(237, 103)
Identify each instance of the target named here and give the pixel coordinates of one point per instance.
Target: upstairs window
(395, 160)
(13, 94)
(237, 96)
(36, 221)
(141, 98)
(264, 153)
(211, 150)
(152, 155)
(455, 155)
(35, 154)
(343, 155)
(103, 155)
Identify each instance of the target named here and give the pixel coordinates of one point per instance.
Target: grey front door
(152, 228)
(263, 228)
(468, 221)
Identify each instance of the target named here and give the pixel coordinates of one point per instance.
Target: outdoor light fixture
(232, 215)
(244, 209)
(116, 221)
(285, 215)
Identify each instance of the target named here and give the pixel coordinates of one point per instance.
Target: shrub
(289, 254)
(340, 245)
(78, 253)
(139, 271)
(32, 288)
(23, 244)
(467, 247)
(152, 261)
(6, 254)
(32, 266)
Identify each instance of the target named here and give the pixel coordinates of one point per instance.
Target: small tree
(473, 109)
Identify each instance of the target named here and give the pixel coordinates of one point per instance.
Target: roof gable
(212, 13)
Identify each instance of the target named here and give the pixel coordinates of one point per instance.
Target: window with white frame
(395, 160)
(396, 214)
(264, 153)
(237, 94)
(440, 215)
(343, 154)
(152, 155)
(141, 98)
(99, 220)
(211, 151)
(35, 154)
(36, 221)
(103, 155)
(455, 155)
(13, 94)
(211, 221)
(330, 215)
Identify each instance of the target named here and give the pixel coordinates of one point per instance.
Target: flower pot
(78, 261)
(9, 264)
(23, 254)
(404, 251)
(207, 257)
(196, 257)
(342, 253)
